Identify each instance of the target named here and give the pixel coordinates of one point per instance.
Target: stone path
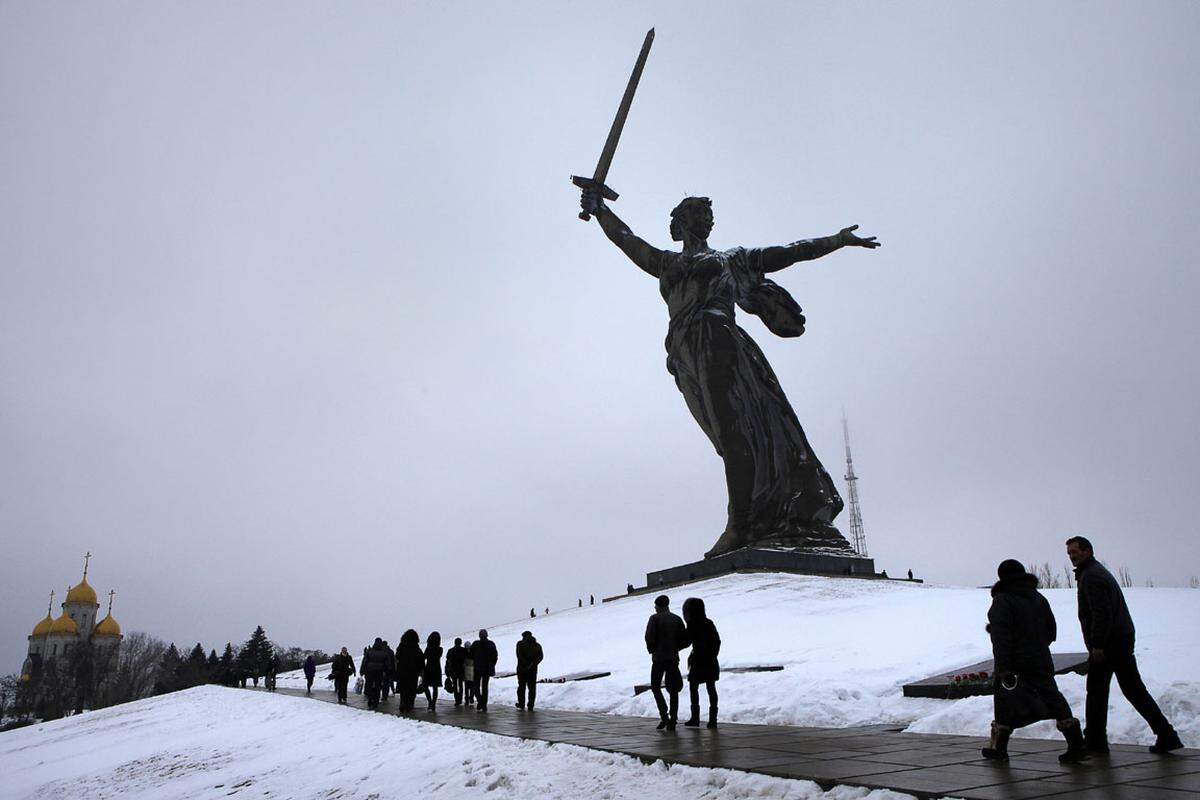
(879, 757)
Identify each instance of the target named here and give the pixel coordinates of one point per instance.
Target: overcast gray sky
(298, 326)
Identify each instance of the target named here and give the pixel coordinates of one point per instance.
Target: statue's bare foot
(730, 540)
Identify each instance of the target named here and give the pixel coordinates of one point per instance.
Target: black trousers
(674, 682)
(526, 680)
(340, 685)
(460, 686)
(694, 692)
(309, 681)
(481, 689)
(1120, 661)
(372, 685)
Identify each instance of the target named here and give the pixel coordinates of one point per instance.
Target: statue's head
(693, 215)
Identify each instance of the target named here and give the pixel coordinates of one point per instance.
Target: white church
(76, 626)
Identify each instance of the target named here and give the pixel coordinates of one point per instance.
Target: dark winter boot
(712, 717)
(1076, 749)
(1166, 744)
(1096, 744)
(997, 749)
(694, 719)
(662, 723)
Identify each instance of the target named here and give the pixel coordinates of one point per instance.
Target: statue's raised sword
(596, 182)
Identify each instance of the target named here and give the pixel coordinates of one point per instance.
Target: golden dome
(107, 627)
(64, 625)
(43, 627)
(82, 593)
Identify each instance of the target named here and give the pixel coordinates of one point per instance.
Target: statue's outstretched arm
(648, 259)
(776, 258)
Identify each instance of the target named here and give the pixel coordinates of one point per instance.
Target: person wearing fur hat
(1022, 628)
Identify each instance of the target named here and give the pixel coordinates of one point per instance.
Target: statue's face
(678, 224)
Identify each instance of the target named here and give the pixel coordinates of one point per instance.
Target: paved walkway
(879, 757)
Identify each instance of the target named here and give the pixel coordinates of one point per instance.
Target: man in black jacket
(374, 668)
(665, 637)
(1022, 628)
(341, 670)
(1108, 634)
(529, 655)
(484, 654)
(455, 657)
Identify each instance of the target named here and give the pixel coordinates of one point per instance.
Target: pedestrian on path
(1108, 633)
(529, 655)
(485, 656)
(665, 637)
(374, 668)
(389, 674)
(1022, 628)
(703, 667)
(272, 672)
(454, 669)
(432, 676)
(310, 672)
(410, 664)
(470, 686)
(341, 670)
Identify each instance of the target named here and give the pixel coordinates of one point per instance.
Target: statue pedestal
(751, 559)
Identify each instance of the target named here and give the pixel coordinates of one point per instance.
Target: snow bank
(211, 742)
(847, 647)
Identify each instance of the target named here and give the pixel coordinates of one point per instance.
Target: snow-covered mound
(847, 646)
(212, 742)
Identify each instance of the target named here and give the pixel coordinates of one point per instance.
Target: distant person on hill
(454, 669)
(410, 664)
(1108, 633)
(665, 637)
(529, 655)
(432, 676)
(310, 672)
(341, 670)
(910, 575)
(591, 599)
(532, 613)
(485, 656)
(703, 667)
(469, 684)
(1022, 628)
(374, 668)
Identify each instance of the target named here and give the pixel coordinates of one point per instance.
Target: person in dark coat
(529, 655)
(272, 672)
(410, 664)
(1109, 635)
(455, 657)
(703, 667)
(1022, 628)
(341, 670)
(484, 654)
(310, 672)
(389, 675)
(374, 669)
(432, 674)
(665, 637)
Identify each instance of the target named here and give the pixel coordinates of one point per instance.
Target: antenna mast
(858, 539)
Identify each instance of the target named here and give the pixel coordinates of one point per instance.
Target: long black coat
(376, 660)
(665, 637)
(433, 665)
(485, 656)
(1022, 627)
(410, 662)
(454, 661)
(342, 666)
(706, 644)
(529, 655)
(1103, 614)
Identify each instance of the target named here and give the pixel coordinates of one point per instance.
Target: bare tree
(1194, 582)
(1047, 578)
(1067, 572)
(1124, 577)
(136, 669)
(1150, 583)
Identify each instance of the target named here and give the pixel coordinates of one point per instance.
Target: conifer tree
(256, 651)
(228, 656)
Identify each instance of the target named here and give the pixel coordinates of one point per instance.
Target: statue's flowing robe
(778, 490)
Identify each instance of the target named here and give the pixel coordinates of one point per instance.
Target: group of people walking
(1022, 628)
(411, 670)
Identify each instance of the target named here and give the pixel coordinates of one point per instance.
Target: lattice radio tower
(858, 539)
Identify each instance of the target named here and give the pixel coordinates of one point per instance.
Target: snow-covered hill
(212, 742)
(847, 647)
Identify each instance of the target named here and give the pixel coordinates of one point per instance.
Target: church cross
(87, 557)
(111, 593)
